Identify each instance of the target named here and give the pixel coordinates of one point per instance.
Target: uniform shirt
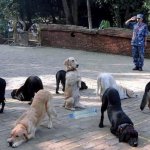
(140, 31)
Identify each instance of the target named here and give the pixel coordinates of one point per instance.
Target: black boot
(140, 69)
(135, 68)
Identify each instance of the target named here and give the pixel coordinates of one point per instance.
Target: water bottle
(83, 113)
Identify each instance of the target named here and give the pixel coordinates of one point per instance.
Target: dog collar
(71, 70)
(123, 126)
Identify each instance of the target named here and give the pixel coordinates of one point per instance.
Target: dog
(106, 80)
(121, 124)
(2, 93)
(61, 77)
(27, 124)
(72, 84)
(26, 92)
(146, 97)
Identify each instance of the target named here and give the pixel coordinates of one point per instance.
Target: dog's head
(128, 134)
(130, 93)
(17, 94)
(71, 63)
(83, 86)
(18, 136)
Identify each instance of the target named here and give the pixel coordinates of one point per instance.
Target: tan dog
(27, 124)
(106, 80)
(72, 85)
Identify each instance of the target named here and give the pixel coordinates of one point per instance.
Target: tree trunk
(89, 14)
(67, 11)
(75, 11)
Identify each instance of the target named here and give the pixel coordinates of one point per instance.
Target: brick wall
(112, 40)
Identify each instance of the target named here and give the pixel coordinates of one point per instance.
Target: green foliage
(104, 24)
(52, 10)
(9, 9)
(123, 9)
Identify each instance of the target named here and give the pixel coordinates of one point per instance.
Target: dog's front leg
(103, 109)
(31, 135)
(79, 84)
(101, 125)
(113, 130)
(79, 81)
(3, 105)
(16, 144)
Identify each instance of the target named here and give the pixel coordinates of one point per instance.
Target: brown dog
(26, 125)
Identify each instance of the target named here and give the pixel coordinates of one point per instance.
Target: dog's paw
(101, 125)
(30, 103)
(49, 125)
(70, 108)
(14, 145)
(1, 111)
(79, 105)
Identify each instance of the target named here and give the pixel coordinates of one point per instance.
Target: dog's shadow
(88, 91)
(147, 112)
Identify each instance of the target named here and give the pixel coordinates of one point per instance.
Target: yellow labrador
(72, 85)
(27, 124)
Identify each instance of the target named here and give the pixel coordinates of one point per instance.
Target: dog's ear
(122, 136)
(66, 62)
(25, 136)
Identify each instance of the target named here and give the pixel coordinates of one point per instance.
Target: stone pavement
(17, 63)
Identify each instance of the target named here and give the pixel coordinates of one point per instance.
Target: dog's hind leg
(57, 85)
(63, 85)
(144, 101)
(3, 105)
(76, 97)
(50, 112)
(148, 99)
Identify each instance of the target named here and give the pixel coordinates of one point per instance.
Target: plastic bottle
(83, 113)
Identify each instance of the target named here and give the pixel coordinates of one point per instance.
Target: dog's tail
(144, 101)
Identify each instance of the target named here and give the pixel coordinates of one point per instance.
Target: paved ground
(17, 63)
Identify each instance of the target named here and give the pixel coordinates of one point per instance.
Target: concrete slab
(17, 63)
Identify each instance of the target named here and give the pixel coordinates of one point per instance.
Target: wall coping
(112, 31)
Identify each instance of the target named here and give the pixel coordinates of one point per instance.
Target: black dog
(146, 97)
(26, 92)
(121, 124)
(2, 94)
(60, 77)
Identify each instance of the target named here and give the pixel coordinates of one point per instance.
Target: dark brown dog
(26, 92)
(146, 97)
(2, 94)
(60, 77)
(121, 124)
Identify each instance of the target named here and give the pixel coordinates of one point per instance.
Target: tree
(122, 9)
(67, 12)
(71, 11)
(89, 14)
